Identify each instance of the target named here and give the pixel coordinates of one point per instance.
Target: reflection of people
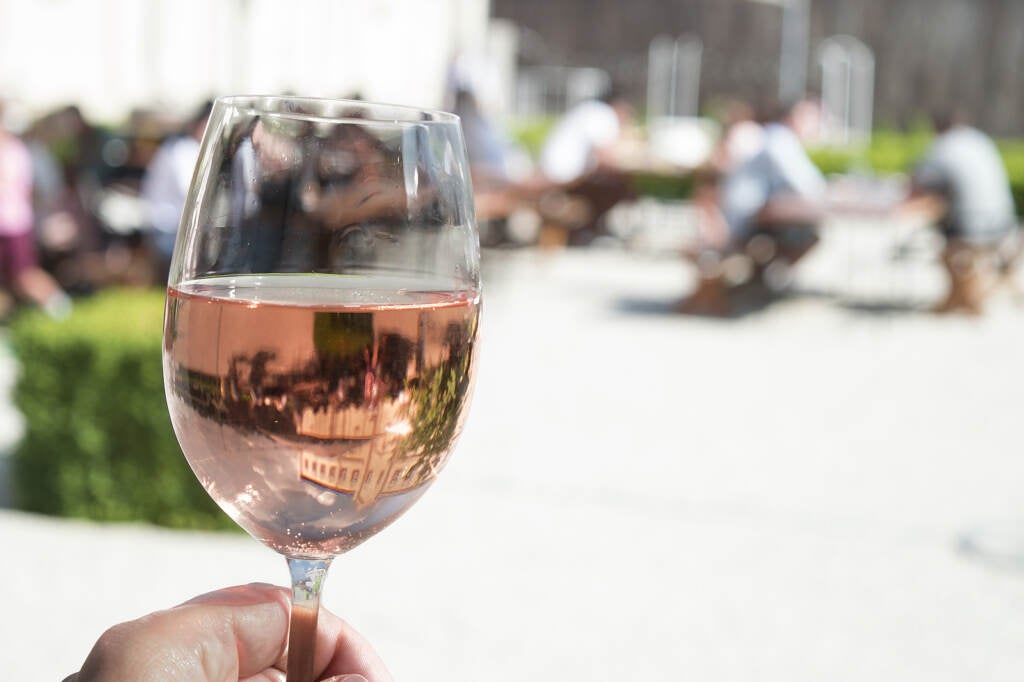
(166, 184)
(234, 633)
(768, 209)
(964, 174)
(19, 266)
(358, 185)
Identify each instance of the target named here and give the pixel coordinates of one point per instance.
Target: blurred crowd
(759, 200)
(83, 207)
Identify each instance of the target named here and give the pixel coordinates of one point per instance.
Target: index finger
(350, 651)
(341, 650)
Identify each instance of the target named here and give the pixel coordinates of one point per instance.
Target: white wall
(111, 55)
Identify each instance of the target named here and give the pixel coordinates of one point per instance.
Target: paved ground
(798, 494)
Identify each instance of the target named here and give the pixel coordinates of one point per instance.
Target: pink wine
(317, 408)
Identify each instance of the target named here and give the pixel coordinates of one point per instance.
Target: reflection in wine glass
(321, 323)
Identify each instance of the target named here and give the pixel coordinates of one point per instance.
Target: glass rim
(371, 113)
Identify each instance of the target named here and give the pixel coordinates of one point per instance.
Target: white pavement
(790, 496)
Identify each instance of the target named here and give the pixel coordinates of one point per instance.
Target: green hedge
(98, 440)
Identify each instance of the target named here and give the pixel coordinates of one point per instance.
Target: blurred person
(70, 234)
(764, 216)
(231, 634)
(166, 182)
(741, 139)
(19, 265)
(962, 185)
(486, 146)
(64, 228)
(501, 172)
(580, 161)
(584, 139)
(78, 146)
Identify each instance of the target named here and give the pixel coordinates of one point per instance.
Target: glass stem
(307, 580)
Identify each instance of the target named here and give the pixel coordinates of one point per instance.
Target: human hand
(232, 635)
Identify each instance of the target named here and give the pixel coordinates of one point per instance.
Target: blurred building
(927, 52)
(110, 56)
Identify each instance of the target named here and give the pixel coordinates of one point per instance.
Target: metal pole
(796, 29)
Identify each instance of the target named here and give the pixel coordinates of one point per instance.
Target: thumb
(229, 634)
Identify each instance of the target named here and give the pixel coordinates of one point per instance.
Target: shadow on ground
(882, 308)
(748, 303)
(743, 301)
(998, 546)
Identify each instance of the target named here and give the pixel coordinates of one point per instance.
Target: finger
(242, 595)
(269, 675)
(341, 651)
(233, 633)
(258, 615)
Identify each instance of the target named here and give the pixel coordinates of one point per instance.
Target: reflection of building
(368, 471)
(374, 465)
(353, 421)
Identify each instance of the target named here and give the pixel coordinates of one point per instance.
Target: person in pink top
(19, 265)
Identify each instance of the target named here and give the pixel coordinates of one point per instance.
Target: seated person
(578, 161)
(962, 182)
(495, 164)
(19, 263)
(765, 213)
(166, 185)
(741, 139)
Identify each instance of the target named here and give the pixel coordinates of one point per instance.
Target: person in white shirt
(166, 183)
(579, 159)
(767, 212)
(962, 181)
(581, 138)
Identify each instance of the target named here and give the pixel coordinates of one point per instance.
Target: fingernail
(347, 678)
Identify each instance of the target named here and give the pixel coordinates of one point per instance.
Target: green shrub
(98, 440)
(663, 185)
(530, 133)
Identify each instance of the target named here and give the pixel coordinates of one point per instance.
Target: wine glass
(321, 321)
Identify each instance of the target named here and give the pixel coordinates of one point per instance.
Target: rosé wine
(315, 409)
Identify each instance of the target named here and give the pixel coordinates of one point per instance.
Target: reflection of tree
(437, 403)
(396, 352)
(360, 386)
(205, 392)
(344, 348)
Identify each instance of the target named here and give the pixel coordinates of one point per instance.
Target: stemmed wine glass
(321, 320)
